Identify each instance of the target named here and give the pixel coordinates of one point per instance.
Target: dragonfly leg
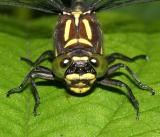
(114, 56)
(45, 55)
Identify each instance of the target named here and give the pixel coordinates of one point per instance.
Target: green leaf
(104, 112)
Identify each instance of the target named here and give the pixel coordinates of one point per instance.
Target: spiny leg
(45, 55)
(38, 72)
(115, 67)
(34, 73)
(111, 83)
(20, 88)
(36, 96)
(114, 56)
(43, 73)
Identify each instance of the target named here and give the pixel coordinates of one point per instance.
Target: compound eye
(65, 62)
(94, 62)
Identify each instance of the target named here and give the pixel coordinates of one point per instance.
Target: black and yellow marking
(77, 15)
(87, 76)
(67, 29)
(80, 90)
(88, 28)
(81, 86)
(77, 41)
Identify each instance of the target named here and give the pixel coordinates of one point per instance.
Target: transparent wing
(98, 5)
(49, 6)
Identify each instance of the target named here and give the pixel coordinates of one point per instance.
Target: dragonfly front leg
(114, 56)
(116, 67)
(38, 72)
(117, 83)
(45, 55)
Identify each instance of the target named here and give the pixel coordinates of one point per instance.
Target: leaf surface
(104, 112)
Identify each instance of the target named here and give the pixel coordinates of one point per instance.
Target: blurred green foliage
(104, 113)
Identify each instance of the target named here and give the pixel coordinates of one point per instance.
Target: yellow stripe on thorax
(74, 41)
(88, 28)
(67, 30)
(71, 42)
(84, 41)
(76, 15)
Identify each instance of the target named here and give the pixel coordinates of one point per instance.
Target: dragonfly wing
(99, 5)
(49, 6)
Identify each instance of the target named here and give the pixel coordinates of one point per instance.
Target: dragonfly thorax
(78, 30)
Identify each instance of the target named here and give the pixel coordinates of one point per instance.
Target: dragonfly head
(79, 71)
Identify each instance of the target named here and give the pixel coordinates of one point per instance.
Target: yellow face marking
(80, 90)
(80, 84)
(76, 15)
(74, 76)
(67, 81)
(87, 76)
(88, 28)
(67, 30)
(74, 41)
(75, 58)
(92, 81)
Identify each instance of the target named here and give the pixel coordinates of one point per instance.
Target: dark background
(148, 11)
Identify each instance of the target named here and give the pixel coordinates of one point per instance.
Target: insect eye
(65, 62)
(94, 62)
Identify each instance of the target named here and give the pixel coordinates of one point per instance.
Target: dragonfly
(78, 60)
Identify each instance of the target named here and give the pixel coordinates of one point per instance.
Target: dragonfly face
(78, 58)
(79, 71)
